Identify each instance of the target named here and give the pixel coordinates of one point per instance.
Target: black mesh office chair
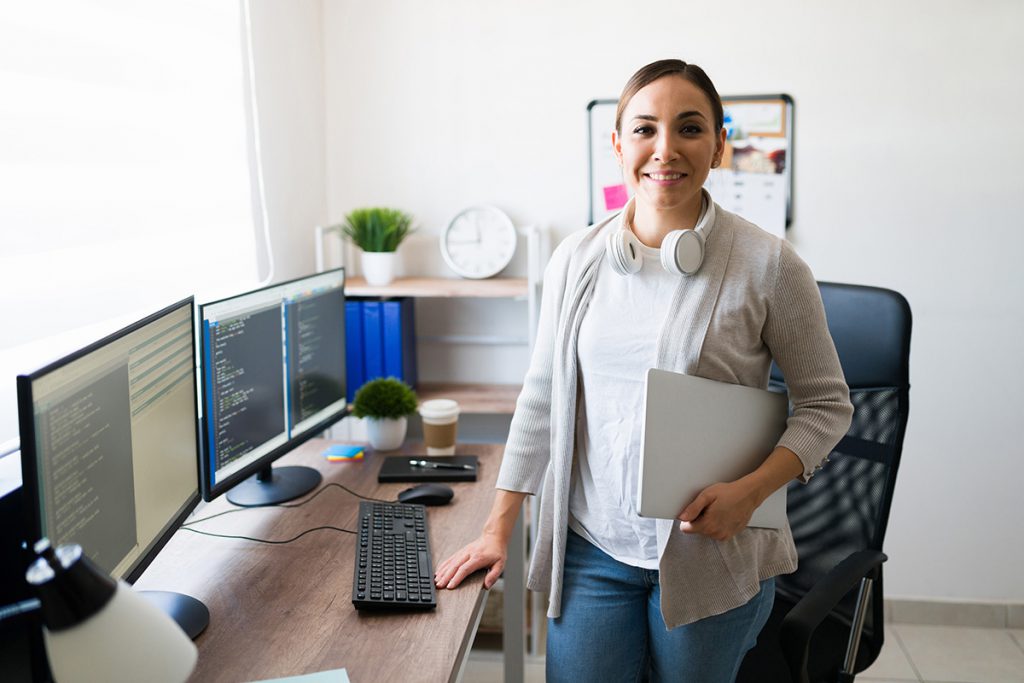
(839, 517)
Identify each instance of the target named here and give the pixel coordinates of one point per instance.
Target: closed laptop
(699, 432)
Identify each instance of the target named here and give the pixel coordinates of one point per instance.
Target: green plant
(377, 229)
(385, 397)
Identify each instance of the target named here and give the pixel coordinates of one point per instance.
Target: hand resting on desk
(490, 550)
(486, 551)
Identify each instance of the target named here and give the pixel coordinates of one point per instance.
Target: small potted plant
(378, 232)
(386, 404)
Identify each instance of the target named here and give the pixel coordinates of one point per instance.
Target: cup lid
(439, 409)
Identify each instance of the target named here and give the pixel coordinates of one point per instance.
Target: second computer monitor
(273, 375)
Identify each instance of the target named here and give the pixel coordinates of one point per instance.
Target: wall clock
(479, 242)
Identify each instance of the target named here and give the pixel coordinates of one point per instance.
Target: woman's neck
(651, 225)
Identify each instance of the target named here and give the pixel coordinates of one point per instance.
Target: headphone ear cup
(682, 252)
(624, 252)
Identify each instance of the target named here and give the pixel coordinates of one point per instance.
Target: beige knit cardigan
(752, 300)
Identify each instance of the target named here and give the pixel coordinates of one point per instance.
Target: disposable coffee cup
(440, 423)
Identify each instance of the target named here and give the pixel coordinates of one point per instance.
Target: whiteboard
(756, 176)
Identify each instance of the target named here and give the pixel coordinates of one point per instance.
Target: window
(124, 175)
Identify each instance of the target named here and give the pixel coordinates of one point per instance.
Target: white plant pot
(379, 267)
(386, 434)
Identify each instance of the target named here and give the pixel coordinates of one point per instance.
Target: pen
(439, 465)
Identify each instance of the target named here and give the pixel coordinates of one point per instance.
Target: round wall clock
(479, 242)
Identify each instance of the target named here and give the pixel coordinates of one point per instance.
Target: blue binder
(355, 370)
(373, 340)
(400, 340)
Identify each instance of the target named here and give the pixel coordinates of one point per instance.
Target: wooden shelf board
(495, 288)
(474, 399)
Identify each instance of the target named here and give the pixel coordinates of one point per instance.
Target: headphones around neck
(682, 251)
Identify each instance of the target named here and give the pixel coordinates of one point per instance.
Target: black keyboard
(393, 567)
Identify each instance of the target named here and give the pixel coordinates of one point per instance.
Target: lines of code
(86, 440)
(316, 353)
(248, 392)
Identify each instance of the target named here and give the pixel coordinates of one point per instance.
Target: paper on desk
(332, 676)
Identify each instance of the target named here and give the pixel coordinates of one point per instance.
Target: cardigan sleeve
(797, 335)
(528, 448)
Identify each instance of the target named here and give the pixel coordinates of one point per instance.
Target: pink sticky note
(615, 197)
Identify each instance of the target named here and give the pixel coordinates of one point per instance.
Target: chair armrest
(799, 625)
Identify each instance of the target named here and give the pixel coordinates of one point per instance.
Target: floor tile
(488, 667)
(892, 662)
(964, 655)
(1018, 635)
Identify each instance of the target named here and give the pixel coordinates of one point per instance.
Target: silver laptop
(698, 432)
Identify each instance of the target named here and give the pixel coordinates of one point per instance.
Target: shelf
(445, 288)
(474, 399)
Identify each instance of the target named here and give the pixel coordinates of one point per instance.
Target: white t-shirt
(617, 344)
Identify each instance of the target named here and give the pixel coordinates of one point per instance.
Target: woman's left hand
(720, 511)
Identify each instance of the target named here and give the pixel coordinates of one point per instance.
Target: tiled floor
(927, 654)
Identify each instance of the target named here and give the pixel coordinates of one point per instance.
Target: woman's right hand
(487, 551)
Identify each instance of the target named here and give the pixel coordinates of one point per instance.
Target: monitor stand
(275, 485)
(190, 614)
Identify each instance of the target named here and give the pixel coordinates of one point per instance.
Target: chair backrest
(845, 506)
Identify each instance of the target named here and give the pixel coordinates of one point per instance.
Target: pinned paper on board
(615, 197)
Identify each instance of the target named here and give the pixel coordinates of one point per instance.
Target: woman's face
(668, 145)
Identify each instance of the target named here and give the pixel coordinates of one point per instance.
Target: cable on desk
(287, 505)
(263, 540)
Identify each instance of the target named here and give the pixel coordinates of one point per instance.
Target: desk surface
(281, 610)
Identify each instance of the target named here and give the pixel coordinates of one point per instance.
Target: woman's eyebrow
(679, 117)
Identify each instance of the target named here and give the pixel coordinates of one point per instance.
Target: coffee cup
(440, 423)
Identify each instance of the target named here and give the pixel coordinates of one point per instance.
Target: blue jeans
(611, 628)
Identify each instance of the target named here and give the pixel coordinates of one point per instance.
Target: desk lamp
(100, 630)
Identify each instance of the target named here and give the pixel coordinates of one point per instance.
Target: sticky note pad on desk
(343, 453)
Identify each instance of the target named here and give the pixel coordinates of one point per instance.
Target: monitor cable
(188, 525)
(270, 542)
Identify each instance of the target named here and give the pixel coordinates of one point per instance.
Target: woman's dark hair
(671, 67)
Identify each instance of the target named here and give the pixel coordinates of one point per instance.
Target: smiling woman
(674, 282)
(124, 167)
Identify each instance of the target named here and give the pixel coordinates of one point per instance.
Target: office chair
(827, 622)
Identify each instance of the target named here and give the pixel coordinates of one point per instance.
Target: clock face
(479, 242)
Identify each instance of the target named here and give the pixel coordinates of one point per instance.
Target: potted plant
(378, 232)
(385, 403)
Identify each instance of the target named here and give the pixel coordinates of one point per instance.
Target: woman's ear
(716, 160)
(617, 147)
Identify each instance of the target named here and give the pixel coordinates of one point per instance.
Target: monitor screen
(109, 442)
(272, 376)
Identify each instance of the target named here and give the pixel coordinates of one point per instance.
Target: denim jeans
(611, 628)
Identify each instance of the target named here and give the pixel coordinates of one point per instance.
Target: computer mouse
(427, 494)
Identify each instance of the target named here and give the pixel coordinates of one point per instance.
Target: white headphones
(682, 251)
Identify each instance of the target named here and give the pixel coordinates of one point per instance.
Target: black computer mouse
(427, 494)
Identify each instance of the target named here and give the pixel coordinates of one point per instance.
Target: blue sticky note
(343, 451)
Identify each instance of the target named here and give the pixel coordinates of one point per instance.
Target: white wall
(907, 176)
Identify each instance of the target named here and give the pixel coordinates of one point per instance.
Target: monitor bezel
(208, 489)
(30, 456)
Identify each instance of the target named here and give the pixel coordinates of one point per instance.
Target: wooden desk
(280, 610)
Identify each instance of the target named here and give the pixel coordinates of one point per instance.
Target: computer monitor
(109, 448)
(272, 376)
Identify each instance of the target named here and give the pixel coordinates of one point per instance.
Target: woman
(673, 282)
